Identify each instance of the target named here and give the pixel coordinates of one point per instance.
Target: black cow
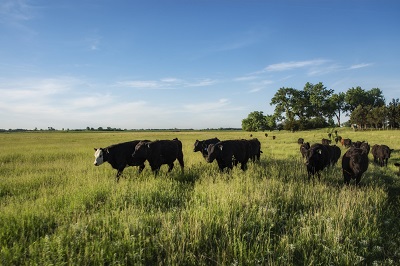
(374, 152)
(316, 159)
(365, 146)
(300, 141)
(334, 154)
(304, 148)
(381, 154)
(354, 164)
(326, 141)
(228, 153)
(338, 139)
(254, 149)
(159, 152)
(201, 145)
(346, 142)
(119, 156)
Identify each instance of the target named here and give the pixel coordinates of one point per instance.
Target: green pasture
(57, 208)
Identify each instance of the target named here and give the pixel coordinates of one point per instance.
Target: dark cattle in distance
(228, 153)
(300, 141)
(273, 137)
(346, 143)
(338, 139)
(266, 134)
(201, 145)
(354, 164)
(304, 148)
(316, 159)
(326, 141)
(160, 152)
(118, 156)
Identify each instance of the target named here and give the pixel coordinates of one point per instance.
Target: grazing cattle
(119, 156)
(374, 152)
(365, 146)
(338, 139)
(273, 137)
(201, 145)
(266, 134)
(354, 164)
(304, 148)
(326, 141)
(381, 154)
(159, 152)
(334, 154)
(316, 159)
(346, 143)
(357, 144)
(254, 149)
(225, 152)
(300, 141)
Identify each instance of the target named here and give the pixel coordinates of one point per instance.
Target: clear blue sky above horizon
(184, 64)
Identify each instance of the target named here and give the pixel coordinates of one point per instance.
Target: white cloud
(360, 66)
(165, 83)
(294, 64)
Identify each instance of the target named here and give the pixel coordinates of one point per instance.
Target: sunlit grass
(57, 208)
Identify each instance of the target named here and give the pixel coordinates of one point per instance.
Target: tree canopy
(315, 106)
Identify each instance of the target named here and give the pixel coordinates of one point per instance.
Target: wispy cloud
(360, 65)
(207, 106)
(294, 64)
(165, 83)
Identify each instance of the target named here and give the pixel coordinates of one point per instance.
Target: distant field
(57, 208)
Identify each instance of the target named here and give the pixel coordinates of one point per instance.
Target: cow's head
(198, 145)
(356, 162)
(100, 156)
(213, 151)
(312, 156)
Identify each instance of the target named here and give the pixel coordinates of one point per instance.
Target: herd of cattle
(230, 153)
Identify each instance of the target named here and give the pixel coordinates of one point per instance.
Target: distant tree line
(315, 106)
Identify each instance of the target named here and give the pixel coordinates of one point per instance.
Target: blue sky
(184, 64)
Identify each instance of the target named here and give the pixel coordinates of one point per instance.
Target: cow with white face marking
(119, 156)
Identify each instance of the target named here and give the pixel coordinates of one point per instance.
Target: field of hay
(57, 208)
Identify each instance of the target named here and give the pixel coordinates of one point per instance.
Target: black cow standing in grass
(317, 158)
(354, 164)
(334, 153)
(159, 152)
(228, 153)
(202, 145)
(119, 156)
(304, 148)
(254, 149)
(381, 154)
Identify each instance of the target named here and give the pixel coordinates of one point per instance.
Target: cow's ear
(220, 147)
(95, 149)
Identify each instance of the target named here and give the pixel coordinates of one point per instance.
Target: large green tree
(255, 121)
(336, 105)
(393, 113)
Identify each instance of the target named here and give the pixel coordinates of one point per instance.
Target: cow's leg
(119, 173)
(358, 179)
(346, 177)
(141, 167)
(181, 163)
(170, 167)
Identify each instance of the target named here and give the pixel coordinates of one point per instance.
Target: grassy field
(57, 208)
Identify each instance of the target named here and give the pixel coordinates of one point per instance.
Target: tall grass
(57, 208)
